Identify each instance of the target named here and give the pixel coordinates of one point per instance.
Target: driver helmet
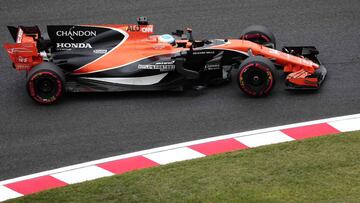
(167, 38)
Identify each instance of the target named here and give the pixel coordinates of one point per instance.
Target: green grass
(323, 169)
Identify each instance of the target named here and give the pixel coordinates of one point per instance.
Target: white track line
(6, 193)
(264, 139)
(346, 125)
(174, 155)
(82, 174)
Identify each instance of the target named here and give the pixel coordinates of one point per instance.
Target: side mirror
(142, 20)
(191, 38)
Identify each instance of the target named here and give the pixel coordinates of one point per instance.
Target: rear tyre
(45, 83)
(256, 77)
(260, 35)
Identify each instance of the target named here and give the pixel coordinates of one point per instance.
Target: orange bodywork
(139, 44)
(24, 53)
(297, 67)
(300, 78)
(291, 63)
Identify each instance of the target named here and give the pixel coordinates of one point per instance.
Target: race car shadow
(81, 96)
(303, 92)
(187, 92)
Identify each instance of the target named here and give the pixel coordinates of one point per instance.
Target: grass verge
(322, 169)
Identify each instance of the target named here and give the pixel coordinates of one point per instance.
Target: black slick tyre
(255, 77)
(45, 83)
(260, 35)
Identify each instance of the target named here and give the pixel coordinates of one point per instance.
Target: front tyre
(260, 35)
(255, 77)
(45, 83)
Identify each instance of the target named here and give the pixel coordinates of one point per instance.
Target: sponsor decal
(138, 28)
(100, 51)
(69, 46)
(22, 66)
(203, 52)
(19, 35)
(21, 59)
(212, 66)
(161, 66)
(72, 32)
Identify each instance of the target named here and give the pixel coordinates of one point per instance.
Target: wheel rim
(255, 80)
(45, 87)
(256, 77)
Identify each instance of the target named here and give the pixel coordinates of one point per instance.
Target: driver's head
(167, 38)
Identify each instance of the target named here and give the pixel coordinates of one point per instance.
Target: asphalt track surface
(85, 127)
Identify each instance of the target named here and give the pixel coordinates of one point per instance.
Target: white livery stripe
(82, 174)
(174, 155)
(264, 139)
(147, 80)
(346, 125)
(6, 193)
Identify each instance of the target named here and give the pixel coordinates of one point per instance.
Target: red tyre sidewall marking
(265, 37)
(270, 77)
(241, 79)
(257, 65)
(33, 91)
(251, 36)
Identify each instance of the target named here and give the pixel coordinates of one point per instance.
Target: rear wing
(17, 32)
(24, 53)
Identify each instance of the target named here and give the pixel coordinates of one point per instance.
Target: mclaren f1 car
(129, 57)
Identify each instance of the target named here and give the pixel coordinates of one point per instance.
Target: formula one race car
(100, 58)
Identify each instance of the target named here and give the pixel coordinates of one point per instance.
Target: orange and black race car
(100, 58)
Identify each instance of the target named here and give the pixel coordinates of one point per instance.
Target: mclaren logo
(162, 66)
(75, 33)
(67, 46)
